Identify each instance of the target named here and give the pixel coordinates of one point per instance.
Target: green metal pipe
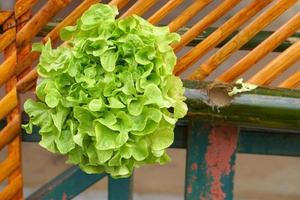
(67, 185)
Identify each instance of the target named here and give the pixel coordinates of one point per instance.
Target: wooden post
(120, 189)
(11, 166)
(211, 154)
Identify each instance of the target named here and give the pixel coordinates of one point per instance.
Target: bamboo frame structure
(261, 50)
(188, 14)
(9, 192)
(53, 35)
(36, 23)
(69, 20)
(241, 38)
(119, 3)
(200, 26)
(22, 6)
(7, 68)
(4, 15)
(247, 11)
(6, 38)
(139, 8)
(277, 66)
(8, 103)
(163, 11)
(219, 35)
(292, 82)
(11, 130)
(11, 166)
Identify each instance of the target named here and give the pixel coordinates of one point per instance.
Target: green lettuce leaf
(107, 98)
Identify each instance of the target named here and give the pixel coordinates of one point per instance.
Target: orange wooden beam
(4, 15)
(260, 22)
(22, 6)
(8, 103)
(40, 19)
(6, 38)
(292, 82)
(10, 131)
(277, 65)
(188, 14)
(261, 50)
(12, 189)
(139, 8)
(164, 10)
(119, 3)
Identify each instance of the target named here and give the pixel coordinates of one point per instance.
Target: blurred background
(257, 177)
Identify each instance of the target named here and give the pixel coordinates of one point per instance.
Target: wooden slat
(241, 38)
(70, 19)
(14, 151)
(22, 6)
(40, 19)
(27, 81)
(220, 34)
(4, 15)
(188, 14)
(14, 147)
(163, 11)
(7, 68)
(119, 3)
(261, 50)
(6, 38)
(12, 189)
(27, 61)
(292, 82)
(209, 19)
(7, 167)
(139, 8)
(8, 103)
(23, 53)
(25, 50)
(277, 66)
(10, 131)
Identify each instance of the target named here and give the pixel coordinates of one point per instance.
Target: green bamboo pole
(259, 108)
(259, 38)
(262, 107)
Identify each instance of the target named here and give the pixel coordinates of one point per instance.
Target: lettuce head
(107, 98)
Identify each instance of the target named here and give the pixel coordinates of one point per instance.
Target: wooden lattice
(19, 27)
(10, 168)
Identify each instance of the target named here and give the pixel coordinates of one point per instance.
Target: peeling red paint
(222, 145)
(189, 189)
(64, 196)
(202, 197)
(194, 166)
